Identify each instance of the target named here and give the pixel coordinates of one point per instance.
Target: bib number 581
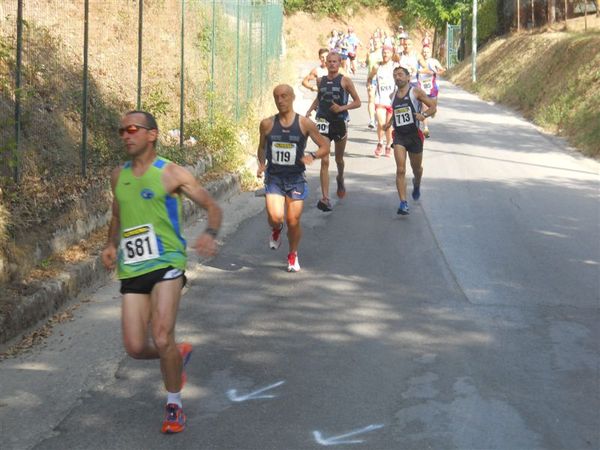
(139, 244)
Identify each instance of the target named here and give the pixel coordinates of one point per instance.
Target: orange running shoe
(185, 350)
(174, 419)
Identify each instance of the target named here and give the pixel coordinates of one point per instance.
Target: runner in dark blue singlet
(282, 157)
(332, 106)
(406, 118)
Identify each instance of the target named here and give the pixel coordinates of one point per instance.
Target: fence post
(86, 27)
(249, 87)
(140, 46)
(237, 66)
(262, 49)
(19, 63)
(181, 78)
(212, 63)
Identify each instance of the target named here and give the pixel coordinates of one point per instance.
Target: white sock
(174, 397)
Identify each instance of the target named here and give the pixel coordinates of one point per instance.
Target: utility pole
(474, 44)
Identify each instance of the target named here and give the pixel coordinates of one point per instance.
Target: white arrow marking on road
(232, 393)
(338, 440)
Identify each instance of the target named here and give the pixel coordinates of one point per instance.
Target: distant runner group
(145, 242)
(402, 94)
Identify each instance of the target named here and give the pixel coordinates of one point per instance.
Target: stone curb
(56, 292)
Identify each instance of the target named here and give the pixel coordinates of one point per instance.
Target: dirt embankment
(306, 33)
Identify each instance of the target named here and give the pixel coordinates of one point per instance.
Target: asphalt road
(472, 323)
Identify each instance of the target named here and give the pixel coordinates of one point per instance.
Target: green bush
(487, 20)
(220, 137)
(328, 7)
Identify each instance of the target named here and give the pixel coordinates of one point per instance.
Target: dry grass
(552, 78)
(50, 191)
(305, 45)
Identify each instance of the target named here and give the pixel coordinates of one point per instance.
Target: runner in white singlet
(383, 77)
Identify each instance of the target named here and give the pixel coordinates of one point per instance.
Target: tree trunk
(551, 12)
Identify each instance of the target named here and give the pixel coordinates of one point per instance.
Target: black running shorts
(337, 131)
(412, 142)
(145, 283)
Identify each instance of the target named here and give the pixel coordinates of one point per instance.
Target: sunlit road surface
(472, 323)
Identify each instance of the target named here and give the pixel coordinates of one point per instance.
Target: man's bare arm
(306, 82)
(323, 144)
(109, 254)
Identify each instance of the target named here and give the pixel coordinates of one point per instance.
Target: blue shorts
(292, 186)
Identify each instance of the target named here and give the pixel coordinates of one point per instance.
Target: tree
(551, 12)
(436, 13)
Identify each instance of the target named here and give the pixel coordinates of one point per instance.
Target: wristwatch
(313, 154)
(212, 232)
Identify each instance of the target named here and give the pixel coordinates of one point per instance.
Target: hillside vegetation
(552, 78)
(51, 193)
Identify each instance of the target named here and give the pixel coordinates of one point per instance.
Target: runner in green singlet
(146, 245)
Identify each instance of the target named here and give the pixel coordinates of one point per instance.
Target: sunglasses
(132, 129)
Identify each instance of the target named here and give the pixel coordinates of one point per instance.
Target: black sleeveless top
(285, 148)
(331, 91)
(404, 111)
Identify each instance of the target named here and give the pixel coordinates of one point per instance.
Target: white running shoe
(275, 239)
(293, 263)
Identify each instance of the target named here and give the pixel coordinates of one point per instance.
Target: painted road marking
(338, 440)
(232, 393)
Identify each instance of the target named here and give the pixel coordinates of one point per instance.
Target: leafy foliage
(435, 13)
(328, 7)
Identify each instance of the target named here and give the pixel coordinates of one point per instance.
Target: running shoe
(403, 209)
(341, 189)
(371, 124)
(416, 193)
(174, 419)
(388, 151)
(185, 350)
(324, 205)
(275, 240)
(426, 132)
(293, 263)
(378, 150)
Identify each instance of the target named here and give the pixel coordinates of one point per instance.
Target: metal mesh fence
(65, 80)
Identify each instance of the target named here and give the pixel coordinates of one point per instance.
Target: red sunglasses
(132, 129)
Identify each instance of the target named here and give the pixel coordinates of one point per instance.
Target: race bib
(322, 126)
(384, 88)
(427, 85)
(403, 116)
(139, 244)
(283, 153)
